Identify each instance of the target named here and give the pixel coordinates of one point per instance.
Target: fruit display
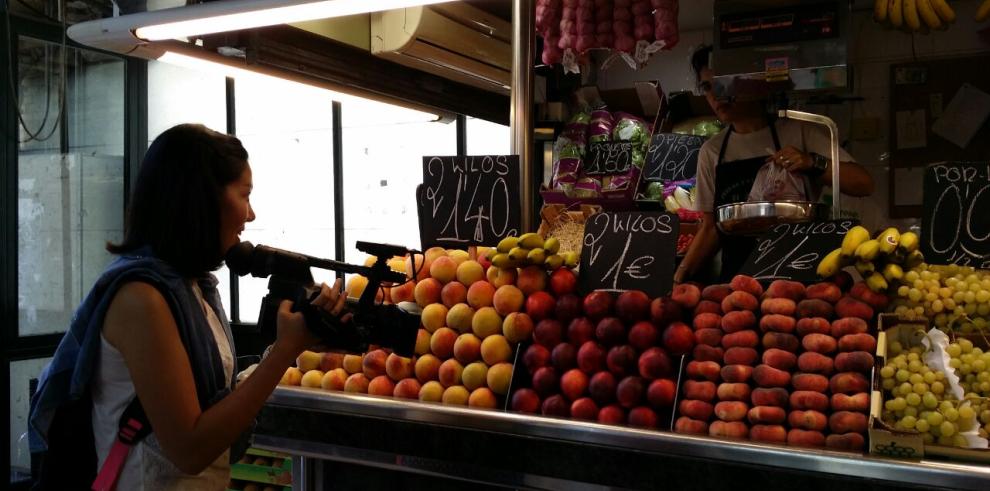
(915, 15)
(531, 250)
(786, 365)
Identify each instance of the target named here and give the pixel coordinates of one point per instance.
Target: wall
(872, 49)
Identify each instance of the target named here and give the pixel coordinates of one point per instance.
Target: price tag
(629, 251)
(672, 157)
(605, 158)
(792, 251)
(955, 225)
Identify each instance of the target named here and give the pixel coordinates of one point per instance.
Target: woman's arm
(702, 248)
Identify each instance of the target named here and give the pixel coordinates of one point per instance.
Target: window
(21, 372)
(486, 138)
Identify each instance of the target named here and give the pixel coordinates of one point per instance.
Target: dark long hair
(175, 204)
(699, 60)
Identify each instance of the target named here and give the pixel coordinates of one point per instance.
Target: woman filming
(152, 328)
(756, 158)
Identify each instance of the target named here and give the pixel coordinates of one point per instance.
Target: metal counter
(283, 427)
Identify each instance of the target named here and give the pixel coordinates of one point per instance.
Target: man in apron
(789, 153)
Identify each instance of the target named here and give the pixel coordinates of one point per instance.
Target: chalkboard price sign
(672, 157)
(608, 158)
(466, 201)
(792, 251)
(629, 251)
(955, 226)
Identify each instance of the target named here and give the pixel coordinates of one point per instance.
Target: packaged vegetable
(587, 187)
(600, 129)
(629, 128)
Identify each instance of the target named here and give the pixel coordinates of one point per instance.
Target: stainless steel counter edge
(935, 473)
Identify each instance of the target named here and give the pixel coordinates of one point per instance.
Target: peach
(777, 323)
(548, 332)
(517, 327)
(610, 331)
(355, 286)
(353, 363)
(532, 279)
(858, 342)
(495, 349)
(716, 293)
(356, 383)
(878, 301)
(474, 375)
(427, 291)
(768, 376)
(467, 348)
(809, 381)
(812, 362)
(711, 337)
(622, 360)
(687, 295)
(453, 293)
(642, 417)
(373, 364)
(500, 277)
(443, 269)
(540, 305)
(853, 361)
(812, 325)
(563, 281)
(507, 299)
(407, 388)
(535, 356)
(848, 325)
(434, 317)
(584, 408)
(417, 267)
(856, 402)
(746, 284)
(422, 342)
(737, 373)
(442, 342)
(738, 320)
(612, 415)
(690, 426)
(642, 336)
(845, 441)
(581, 330)
(398, 367)
(629, 392)
(292, 376)
(486, 322)
(791, 290)
(525, 401)
(819, 343)
(807, 420)
(381, 386)
(568, 308)
(739, 355)
(450, 373)
(734, 392)
(312, 378)
(431, 391)
(781, 340)
(847, 422)
(661, 393)
(743, 339)
(556, 405)
(334, 379)
(768, 433)
(308, 360)
(779, 306)
(779, 359)
(498, 378)
(848, 383)
(814, 308)
(427, 368)
(776, 396)
(480, 294)
(403, 293)
(827, 291)
(699, 410)
(460, 317)
(767, 415)
(602, 387)
(564, 357)
(704, 370)
(433, 253)
(678, 338)
(633, 306)
(739, 300)
(699, 390)
(703, 352)
(330, 361)
(545, 380)
(728, 429)
(655, 363)
(663, 311)
(574, 384)
(708, 307)
(808, 400)
(591, 357)
(805, 438)
(707, 320)
(469, 272)
(455, 395)
(731, 410)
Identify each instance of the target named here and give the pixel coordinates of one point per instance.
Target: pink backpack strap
(133, 427)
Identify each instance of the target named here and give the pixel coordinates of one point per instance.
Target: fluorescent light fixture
(233, 15)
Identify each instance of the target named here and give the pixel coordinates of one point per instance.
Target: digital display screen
(783, 25)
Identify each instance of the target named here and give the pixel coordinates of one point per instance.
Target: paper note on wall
(911, 129)
(966, 113)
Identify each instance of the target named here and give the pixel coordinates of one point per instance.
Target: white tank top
(146, 467)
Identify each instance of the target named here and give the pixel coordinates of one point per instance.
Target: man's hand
(792, 159)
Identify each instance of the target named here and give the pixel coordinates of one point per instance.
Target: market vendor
(756, 158)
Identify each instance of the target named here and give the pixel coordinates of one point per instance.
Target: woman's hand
(792, 159)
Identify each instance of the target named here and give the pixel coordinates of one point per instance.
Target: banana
(865, 267)
(927, 13)
(868, 251)
(571, 259)
(983, 12)
(507, 244)
(551, 245)
(896, 12)
(831, 264)
(911, 18)
(880, 10)
(944, 11)
(531, 240)
(876, 282)
(854, 237)
(536, 256)
(554, 262)
(888, 240)
(503, 261)
(908, 243)
(490, 253)
(518, 254)
(892, 272)
(914, 260)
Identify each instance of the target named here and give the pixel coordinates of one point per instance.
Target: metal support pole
(521, 100)
(833, 132)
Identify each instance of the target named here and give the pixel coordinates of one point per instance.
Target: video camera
(389, 326)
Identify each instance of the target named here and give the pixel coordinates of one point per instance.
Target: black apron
(733, 182)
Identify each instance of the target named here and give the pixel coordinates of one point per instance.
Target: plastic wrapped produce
(568, 151)
(622, 27)
(629, 128)
(602, 124)
(586, 28)
(665, 22)
(552, 11)
(587, 187)
(643, 27)
(568, 25)
(603, 23)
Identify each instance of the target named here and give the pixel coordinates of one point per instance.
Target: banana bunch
(881, 260)
(916, 15)
(531, 250)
